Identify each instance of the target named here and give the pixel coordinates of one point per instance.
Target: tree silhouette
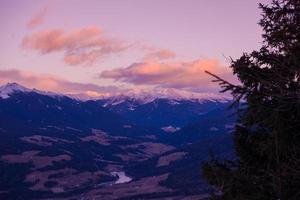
(267, 133)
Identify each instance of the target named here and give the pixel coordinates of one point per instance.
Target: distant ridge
(140, 96)
(174, 95)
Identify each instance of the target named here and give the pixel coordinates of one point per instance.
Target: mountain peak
(14, 86)
(10, 88)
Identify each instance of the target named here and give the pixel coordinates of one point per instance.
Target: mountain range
(57, 146)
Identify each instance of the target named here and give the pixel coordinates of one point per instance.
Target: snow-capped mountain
(173, 95)
(22, 107)
(11, 88)
(157, 108)
(162, 112)
(139, 96)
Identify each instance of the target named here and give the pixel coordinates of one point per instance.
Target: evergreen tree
(267, 134)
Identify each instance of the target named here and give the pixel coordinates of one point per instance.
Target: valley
(58, 147)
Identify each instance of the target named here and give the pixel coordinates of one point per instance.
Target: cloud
(55, 84)
(153, 53)
(80, 46)
(38, 18)
(159, 54)
(180, 75)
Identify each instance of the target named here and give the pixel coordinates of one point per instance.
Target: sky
(101, 47)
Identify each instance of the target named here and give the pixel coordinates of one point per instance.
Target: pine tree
(267, 134)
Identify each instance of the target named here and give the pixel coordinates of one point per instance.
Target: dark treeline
(267, 134)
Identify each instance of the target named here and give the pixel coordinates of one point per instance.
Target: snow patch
(122, 178)
(213, 129)
(170, 129)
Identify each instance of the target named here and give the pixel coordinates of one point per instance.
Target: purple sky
(141, 43)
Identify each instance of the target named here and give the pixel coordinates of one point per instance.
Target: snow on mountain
(170, 129)
(10, 88)
(138, 96)
(173, 95)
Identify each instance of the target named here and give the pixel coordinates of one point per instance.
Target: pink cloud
(159, 54)
(80, 46)
(55, 84)
(182, 75)
(38, 18)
